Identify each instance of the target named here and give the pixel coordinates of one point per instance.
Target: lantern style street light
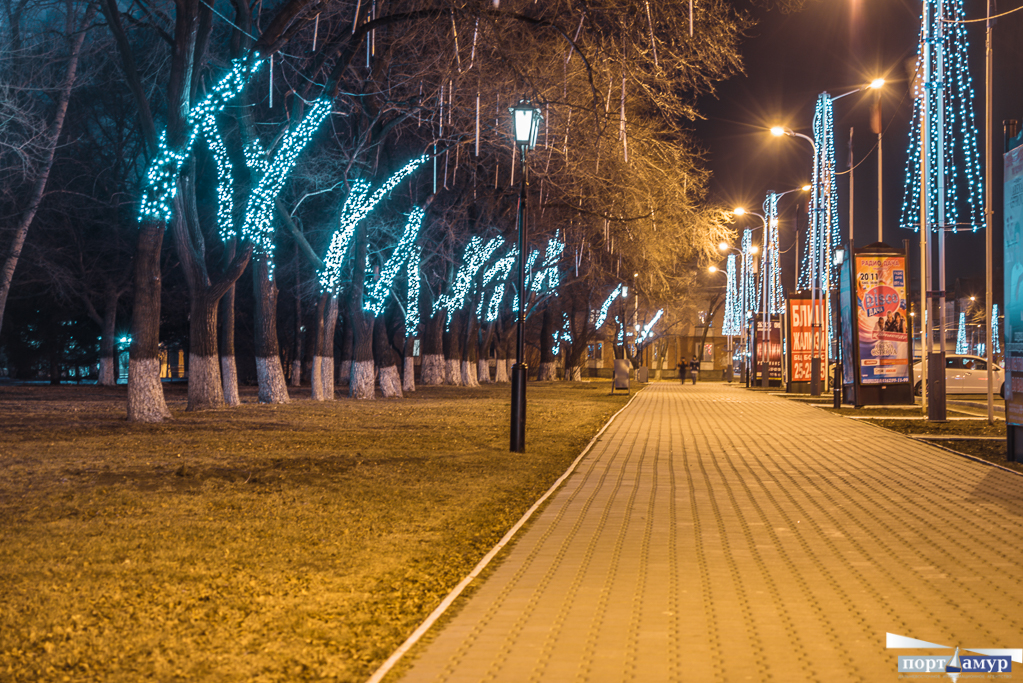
(526, 119)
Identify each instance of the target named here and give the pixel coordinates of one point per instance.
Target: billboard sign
(802, 337)
(772, 349)
(1014, 286)
(882, 318)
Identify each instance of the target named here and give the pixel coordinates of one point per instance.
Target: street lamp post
(526, 119)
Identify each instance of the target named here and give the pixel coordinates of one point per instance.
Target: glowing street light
(527, 120)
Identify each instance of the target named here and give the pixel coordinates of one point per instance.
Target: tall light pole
(988, 239)
(526, 119)
(815, 228)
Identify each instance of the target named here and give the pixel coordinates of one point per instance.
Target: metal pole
(988, 239)
(764, 277)
(519, 370)
(925, 243)
(880, 171)
(939, 399)
(851, 173)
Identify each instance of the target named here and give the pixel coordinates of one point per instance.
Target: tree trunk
(574, 374)
(316, 376)
(205, 391)
(502, 364)
(409, 366)
(269, 373)
(108, 341)
(361, 323)
(43, 169)
(145, 393)
(484, 340)
(387, 360)
(327, 359)
(548, 370)
(296, 364)
(344, 375)
(432, 369)
(228, 365)
(453, 351)
(470, 348)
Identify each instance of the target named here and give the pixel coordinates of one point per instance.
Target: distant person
(681, 370)
(694, 368)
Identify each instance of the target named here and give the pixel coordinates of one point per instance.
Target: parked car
(965, 374)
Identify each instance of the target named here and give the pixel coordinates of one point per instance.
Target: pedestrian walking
(694, 368)
(681, 370)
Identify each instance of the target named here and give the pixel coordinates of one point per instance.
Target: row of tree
(199, 139)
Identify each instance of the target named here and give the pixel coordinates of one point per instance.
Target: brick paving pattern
(718, 534)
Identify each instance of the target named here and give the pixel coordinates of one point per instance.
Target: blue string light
(473, 259)
(748, 295)
(357, 206)
(732, 309)
(607, 306)
(258, 225)
(996, 342)
(330, 275)
(564, 334)
(650, 325)
(414, 286)
(961, 346)
(161, 177)
(772, 262)
(825, 232)
(947, 101)
(377, 295)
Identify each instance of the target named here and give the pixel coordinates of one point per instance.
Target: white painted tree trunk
(390, 382)
(548, 372)
(145, 394)
(454, 372)
(501, 371)
(107, 376)
(344, 375)
(296, 373)
(469, 375)
(204, 381)
(316, 379)
(575, 374)
(483, 371)
(409, 376)
(327, 377)
(361, 385)
(229, 375)
(272, 387)
(432, 369)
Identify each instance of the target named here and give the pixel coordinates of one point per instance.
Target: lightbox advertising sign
(1014, 286)
(802, 325)
(882, 318)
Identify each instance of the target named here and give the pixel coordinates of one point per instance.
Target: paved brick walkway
(717, 534)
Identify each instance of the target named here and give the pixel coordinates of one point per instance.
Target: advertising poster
(1014, 286)
(802, 342)
(882, 318)
(772, 348)
(846, 319)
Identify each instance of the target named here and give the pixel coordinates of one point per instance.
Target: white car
(966, 375)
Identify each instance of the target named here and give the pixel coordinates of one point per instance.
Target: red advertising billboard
(802, 326)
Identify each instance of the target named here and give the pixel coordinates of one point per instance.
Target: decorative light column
(526, 119)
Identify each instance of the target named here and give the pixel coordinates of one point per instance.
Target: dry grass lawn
(263, 543)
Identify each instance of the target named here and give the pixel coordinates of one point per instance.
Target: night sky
(838, 46)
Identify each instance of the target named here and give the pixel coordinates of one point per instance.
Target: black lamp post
(526, 119)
